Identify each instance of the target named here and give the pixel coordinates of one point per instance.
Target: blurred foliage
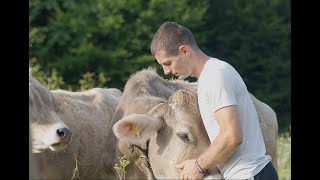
(51, 80)
(90, 80)
(110, 37)
(78, 45)
(255, 37)
(284, 155)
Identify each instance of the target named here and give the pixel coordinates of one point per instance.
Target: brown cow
(93, 152)
(166, 114)
(33, 167)
(88, 156)
(48, 131)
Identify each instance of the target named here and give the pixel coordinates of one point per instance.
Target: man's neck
(200, 60)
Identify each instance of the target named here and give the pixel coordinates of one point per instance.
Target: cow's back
(269, 127)
(147, 82)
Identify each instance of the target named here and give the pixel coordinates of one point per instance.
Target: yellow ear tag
(136, 130)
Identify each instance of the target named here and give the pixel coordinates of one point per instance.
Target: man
(237, 148)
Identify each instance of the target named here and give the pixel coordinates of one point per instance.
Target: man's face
(175, 65)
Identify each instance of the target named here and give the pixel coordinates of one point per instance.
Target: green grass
(284, 156)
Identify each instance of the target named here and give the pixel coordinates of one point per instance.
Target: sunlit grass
(284, 156)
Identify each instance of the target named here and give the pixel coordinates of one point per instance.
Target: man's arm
(228, 139)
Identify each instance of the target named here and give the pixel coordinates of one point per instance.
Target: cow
(47, 129)
(92, 152)
(88, 156)
(33, 170)
(162, 118)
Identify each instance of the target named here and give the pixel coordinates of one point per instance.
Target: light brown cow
(88, 156)
(48, 131)
(33, 167)
(93, 150)
(166, 114)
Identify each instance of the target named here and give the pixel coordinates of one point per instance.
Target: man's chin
(182, 77)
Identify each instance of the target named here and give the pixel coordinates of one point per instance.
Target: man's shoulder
(216, 64)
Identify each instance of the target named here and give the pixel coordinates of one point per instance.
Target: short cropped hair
(169, 37)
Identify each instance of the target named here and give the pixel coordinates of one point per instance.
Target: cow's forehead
(184, 100)
(38, 89)
(183, 108)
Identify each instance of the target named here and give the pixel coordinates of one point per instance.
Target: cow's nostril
(62, 132)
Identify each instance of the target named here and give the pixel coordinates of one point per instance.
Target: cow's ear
(137, 128)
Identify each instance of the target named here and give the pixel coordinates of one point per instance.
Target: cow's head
(47, 129)
(175, 131)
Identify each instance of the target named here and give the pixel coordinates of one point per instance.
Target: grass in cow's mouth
(62, 146)
(59, 144)
(75, 174)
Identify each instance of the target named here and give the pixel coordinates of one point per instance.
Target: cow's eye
(184, 137)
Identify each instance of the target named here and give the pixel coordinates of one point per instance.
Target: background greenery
(284, 156)
(81, 44)
(77, 45)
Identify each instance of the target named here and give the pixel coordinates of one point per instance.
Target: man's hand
(188, 170)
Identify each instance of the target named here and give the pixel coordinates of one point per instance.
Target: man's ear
(185, 50)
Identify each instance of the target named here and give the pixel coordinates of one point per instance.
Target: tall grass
(284, 156)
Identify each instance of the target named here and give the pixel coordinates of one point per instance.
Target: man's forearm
(219, 150)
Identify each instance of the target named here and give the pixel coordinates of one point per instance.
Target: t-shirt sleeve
(221, 92)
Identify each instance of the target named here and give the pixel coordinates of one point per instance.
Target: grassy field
(284, 156)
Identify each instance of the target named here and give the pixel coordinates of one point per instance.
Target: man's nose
(166, 70)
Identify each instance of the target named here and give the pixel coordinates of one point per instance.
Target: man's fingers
(182, 177)
(180, 166)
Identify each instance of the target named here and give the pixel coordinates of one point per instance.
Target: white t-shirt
(220, 85)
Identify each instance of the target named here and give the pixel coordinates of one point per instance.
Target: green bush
(284, 156)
